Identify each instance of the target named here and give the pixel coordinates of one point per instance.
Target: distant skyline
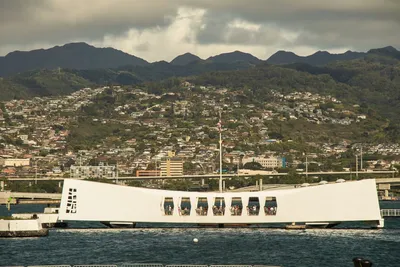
(161, 30)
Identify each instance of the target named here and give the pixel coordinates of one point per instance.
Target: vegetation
(41, 83)
(73, 55)
(372, 81)
(40, 187)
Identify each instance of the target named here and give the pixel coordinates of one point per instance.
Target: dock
(13, 198)
(48, 219)
(22, 228)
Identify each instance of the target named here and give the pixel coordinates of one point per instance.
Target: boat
(334, 203)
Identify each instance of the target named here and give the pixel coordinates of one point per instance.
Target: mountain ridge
(185, 59)
(83, 56)
(372, 82)
(319, 58)
(234, 57)
(72, 55)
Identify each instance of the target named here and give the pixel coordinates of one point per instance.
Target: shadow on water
(92, 243)
(390, 222)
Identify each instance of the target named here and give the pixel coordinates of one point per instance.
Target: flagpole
(220, 154)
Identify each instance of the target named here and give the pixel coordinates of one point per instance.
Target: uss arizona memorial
(327, 205)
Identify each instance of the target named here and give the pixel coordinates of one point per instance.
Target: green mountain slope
(373, 82)
(185, 59)
(319, 58)
(41, 83)
(74, 55)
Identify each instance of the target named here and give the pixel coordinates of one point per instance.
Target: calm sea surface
(88, 243)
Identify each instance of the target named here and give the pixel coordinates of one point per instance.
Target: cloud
(317, 23)
(179, 37)
(63, 20)
(161, 30)
(239, 32)
(143, 46)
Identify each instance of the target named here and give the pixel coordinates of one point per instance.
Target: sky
(162, 29)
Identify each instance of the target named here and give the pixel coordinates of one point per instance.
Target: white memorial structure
(325, 204)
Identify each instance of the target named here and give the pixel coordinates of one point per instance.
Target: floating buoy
(195, 240)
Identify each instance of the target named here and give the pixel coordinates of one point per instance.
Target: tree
(253, 166)
(189, 167)
(43, 153)
(275, 135)
(19, 142)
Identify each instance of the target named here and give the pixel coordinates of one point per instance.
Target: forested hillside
(372, 81)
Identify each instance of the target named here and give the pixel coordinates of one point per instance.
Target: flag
(219, 125)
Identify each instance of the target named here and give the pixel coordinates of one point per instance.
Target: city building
(100, 171)
(171, 166)
(270, 162)
(13, 162)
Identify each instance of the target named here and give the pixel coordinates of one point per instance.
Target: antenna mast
(220, 152)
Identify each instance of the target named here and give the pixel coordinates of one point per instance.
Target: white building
(327, 204)
(270, 162)
(13, 162)
(101, 171)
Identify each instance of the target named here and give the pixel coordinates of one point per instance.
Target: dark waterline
(308, 248)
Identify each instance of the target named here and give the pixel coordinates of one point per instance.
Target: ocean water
(86, 243)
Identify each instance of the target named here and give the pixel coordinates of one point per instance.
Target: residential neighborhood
(40, 136)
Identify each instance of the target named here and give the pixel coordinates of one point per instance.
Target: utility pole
(306, 167)
(237, 171)
(35, 171)
(357, 166)
(220, 152)
(361, 156)
(351, 177)
(116, 172)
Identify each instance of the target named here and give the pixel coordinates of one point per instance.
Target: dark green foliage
(253, 166)
(41, 83)
(65, 81)
(372, 82)
(388, 51)
(40, 186)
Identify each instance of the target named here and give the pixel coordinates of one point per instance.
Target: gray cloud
(62, 21)
(292, 10)
(218, 28)
(143, 46)
(327, 24)
(283, 24)
(18, 8)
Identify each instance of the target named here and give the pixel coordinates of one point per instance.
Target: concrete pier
(12, 198)
(22, 228)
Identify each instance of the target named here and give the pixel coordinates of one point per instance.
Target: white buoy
(195, 240)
